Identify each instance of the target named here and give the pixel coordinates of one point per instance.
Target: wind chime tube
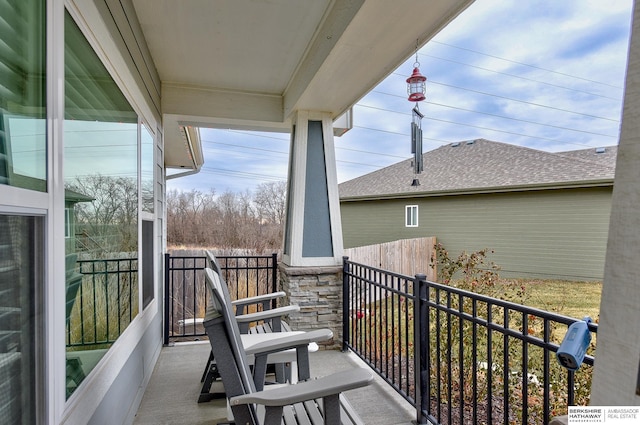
(414, 129)
(419, 165)
(416, 124)
(416, 141)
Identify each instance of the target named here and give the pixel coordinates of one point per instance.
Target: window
(101, 133)
(147, 196)
(147, 167)
(23, 159)
(67, 223)
(21, 323)
(148, 266)
(411, 216)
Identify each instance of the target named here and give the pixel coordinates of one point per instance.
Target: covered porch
(283, 66)
(430, 346)
(157, 71)
(172, 394)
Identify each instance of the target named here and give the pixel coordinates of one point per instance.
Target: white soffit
(249, 64)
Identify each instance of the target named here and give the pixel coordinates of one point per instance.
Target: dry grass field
(573, 299)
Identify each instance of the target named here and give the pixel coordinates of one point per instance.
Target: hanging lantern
(416, 86)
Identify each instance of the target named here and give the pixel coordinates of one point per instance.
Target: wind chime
(416, 88)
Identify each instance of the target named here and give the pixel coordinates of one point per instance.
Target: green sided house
(545, 215)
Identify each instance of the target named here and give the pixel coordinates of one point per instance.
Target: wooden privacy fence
(406, 256)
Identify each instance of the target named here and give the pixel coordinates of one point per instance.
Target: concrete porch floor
(172, 394)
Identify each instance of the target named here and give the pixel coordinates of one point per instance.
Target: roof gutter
(484, 190)
(183, 174)
(194, 146)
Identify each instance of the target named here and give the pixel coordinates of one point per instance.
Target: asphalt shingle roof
(484, 164)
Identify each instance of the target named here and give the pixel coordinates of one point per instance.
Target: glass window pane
(148, 266)
(21, 256)
(411, 216)
(101, 193)
(146, 170)
(23, 160)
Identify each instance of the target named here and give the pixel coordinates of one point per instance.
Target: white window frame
(409, 214)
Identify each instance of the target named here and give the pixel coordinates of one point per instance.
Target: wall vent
(455, 144)
(600, 150)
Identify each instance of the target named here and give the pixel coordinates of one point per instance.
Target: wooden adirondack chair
(312, 401)
(265, 321)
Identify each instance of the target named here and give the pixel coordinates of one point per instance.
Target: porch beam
(206, 105)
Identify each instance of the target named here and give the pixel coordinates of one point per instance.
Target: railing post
(274, 277)
(420, 335)
(345, 303)
(167, 298)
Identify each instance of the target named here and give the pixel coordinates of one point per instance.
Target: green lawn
(573, 299)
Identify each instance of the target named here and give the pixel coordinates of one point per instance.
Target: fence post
(420, 336)
(345, 303)
(167, 298)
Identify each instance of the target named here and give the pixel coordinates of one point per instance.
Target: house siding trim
(484, 190)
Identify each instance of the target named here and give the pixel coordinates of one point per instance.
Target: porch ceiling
(249, 64)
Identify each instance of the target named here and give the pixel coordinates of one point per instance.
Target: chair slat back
(223, 305)
(213, 262)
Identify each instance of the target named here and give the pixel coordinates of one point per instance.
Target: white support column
(617, 365)
(313, 230)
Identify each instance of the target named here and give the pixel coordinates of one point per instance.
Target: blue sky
(544, 74)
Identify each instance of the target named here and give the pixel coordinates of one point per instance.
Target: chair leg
(281, 373)
(206, 396)
(331, 409)
(207, 367)
(210, 375)
(273, 415)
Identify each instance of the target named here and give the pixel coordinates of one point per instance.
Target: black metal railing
(186, 296)
(105, 303)
(377, 323)
(460, 357)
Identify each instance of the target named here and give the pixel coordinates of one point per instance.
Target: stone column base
(318, 292)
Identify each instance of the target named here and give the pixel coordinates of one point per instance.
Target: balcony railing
(460, 357)
(105, 303)
(107, 298)
(186, 296)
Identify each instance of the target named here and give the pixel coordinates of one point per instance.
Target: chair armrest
(283, 342)
(308, 390)
(258, 298)
(286, 341)
(265, 300)
(267, 314)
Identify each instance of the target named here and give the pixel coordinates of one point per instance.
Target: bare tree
(189, 216)
(230, 220)
(270, 199)
(110, 219)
